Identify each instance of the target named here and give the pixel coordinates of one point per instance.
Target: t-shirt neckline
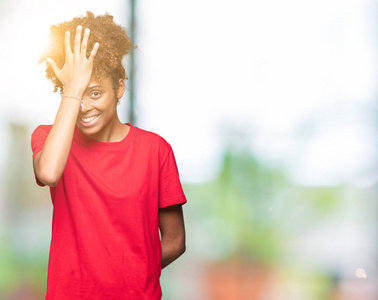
(81, 138)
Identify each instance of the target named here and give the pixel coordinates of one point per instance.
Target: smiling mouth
(89, 119)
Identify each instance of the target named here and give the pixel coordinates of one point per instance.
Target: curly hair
(114, 45)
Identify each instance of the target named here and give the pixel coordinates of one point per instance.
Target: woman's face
(99, 113)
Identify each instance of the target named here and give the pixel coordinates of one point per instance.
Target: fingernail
(78, 27)
(86, 30)
(67, 32)
(97, 45)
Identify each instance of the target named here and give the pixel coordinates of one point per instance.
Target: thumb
(53, 65)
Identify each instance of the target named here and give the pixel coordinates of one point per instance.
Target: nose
(85, 106)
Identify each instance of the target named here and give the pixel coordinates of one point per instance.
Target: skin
(100, 101)
(172, 229)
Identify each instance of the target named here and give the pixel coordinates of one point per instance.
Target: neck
(114, 131)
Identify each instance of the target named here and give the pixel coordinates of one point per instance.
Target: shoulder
(149, 137)
(151, 140)
(41, 130)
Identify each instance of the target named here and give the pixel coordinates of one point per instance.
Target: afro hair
(114, 45)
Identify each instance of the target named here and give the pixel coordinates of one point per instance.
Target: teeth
(87, 120)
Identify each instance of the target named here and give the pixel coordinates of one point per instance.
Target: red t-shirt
(105, 232)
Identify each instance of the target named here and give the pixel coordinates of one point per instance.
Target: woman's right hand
(75, 75)
(77, 70)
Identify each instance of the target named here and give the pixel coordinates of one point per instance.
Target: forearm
(50, 164)
(171, 251)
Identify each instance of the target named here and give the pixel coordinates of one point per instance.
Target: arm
(75, 75)
(172, 229)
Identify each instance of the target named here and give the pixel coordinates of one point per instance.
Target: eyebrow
(94, 87)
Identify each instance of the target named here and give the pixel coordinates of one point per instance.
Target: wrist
(73, 92)
(76, 99)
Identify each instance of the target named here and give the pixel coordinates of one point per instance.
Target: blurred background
(270, 107)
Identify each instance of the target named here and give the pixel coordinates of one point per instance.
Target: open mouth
(89, 120)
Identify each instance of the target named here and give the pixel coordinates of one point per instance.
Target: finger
(93, 52)
(53, 66)
(77, 41)
(85, 43)
(67, 44)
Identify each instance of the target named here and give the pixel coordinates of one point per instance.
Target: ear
(121, 88)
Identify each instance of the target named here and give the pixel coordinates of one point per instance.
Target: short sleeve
(37, 141)
(170, 189)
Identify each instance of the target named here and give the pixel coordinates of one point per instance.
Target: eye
(95, 94)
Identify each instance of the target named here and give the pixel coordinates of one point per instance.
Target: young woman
(113, 186)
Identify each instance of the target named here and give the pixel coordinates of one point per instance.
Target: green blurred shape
(247, 211)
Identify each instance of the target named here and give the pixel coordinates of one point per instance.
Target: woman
(113, 186)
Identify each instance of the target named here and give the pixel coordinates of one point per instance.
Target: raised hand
(77, 70)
